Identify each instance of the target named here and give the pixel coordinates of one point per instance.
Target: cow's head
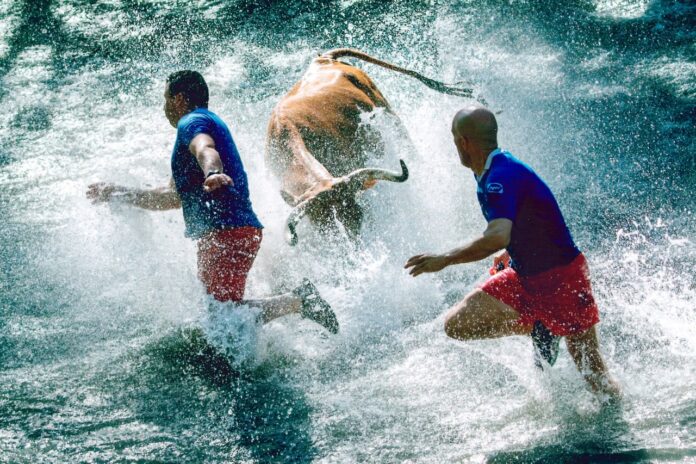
(339, 202)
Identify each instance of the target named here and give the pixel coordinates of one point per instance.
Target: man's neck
(482, 164)
(187, 111)
(478, 167)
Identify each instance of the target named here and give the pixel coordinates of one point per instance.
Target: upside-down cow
(317, 145)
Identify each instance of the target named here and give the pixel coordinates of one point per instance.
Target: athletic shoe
(315, 308)
(545, 345)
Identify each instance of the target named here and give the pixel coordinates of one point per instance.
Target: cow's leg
(350, 214)
(289, 198)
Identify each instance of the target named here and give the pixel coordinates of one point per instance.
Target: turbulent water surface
(103, 325)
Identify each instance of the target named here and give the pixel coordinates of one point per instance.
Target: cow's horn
(362, 175)
(293, 219)
(353, 182)
(297, 214)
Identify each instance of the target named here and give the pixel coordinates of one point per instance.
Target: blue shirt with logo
(226, 207)
(540, 239)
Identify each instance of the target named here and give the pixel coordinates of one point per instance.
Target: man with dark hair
(210, 185)
(540, 286)
(191, 85)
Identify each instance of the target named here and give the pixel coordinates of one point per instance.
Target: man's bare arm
(494, 238)
(203, 148)
(156, 199)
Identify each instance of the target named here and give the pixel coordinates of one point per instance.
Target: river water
(101, 353)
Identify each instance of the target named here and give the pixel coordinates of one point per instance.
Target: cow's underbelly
(348, 153)
(331, 128)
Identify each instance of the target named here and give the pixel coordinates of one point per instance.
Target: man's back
(540, 239)
(227, 207)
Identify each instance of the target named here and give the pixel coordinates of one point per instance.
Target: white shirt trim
(489, 160)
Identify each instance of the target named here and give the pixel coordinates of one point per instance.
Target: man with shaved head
(540, 285)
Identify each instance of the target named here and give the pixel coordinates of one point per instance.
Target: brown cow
(317, 146)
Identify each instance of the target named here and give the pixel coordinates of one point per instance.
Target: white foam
(621, 9)
(233, 329)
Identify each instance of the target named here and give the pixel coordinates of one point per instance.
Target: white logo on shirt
(494, 187)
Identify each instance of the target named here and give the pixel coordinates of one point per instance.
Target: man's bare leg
(479, 315)
(584, 349)
(276, 306)
(304, 300)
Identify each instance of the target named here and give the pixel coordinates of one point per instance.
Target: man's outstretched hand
(426, 263)
(216, 181)
(100, 192)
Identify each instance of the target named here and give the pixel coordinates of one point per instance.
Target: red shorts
(561, 298)
(224, 260)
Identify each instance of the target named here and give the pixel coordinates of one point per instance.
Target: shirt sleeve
(502, 190)
(191, 125)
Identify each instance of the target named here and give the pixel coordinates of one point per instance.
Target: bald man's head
(477, 124)
(475, 132)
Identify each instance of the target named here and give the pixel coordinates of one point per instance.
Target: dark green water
(101, 355)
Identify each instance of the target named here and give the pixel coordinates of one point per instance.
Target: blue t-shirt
(540, 239)
(225, 208)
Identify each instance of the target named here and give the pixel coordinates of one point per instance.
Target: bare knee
(452, 325)
(460, 319)
(480, 315)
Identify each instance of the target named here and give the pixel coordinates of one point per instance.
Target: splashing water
(108, 351)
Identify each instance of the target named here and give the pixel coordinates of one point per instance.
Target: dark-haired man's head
(184, 92)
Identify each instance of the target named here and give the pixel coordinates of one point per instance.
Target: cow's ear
(289, 199)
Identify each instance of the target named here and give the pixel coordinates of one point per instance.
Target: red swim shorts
(561, 298)
(224, 259)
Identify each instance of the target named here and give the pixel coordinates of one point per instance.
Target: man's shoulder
(192, 116)
(506, 160)
(200, 116)
(505, 165)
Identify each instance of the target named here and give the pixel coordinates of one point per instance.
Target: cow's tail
(452, 89)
